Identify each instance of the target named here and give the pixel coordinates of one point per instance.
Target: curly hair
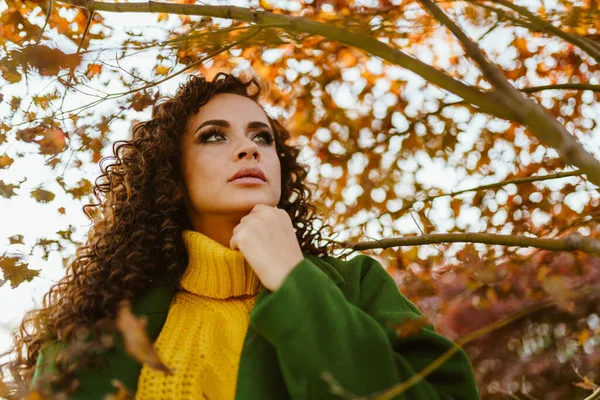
(135, 240)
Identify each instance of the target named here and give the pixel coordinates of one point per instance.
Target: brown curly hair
(135, 239)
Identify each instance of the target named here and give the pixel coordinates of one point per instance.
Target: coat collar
(158, 299)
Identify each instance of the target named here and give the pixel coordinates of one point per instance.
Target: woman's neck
(218, 227)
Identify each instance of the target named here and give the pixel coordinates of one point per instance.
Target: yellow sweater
(202, 338)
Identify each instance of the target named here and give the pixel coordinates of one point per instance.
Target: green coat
(329, 315)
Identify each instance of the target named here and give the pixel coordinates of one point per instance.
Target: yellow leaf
(162, 70)
(163, 17)
(583, 336)
(137, 343)
(265, 5)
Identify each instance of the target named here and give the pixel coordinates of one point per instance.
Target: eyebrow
(224, 123)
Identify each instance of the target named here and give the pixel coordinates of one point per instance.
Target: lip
(244, 172)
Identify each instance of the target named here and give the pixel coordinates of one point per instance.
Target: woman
(208, 230)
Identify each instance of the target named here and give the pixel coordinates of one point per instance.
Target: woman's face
(229, 132)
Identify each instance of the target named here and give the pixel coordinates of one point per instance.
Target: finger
(233, 242)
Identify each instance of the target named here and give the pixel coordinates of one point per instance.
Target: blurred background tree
(462, 133)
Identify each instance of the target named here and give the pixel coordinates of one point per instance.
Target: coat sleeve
(315, 329)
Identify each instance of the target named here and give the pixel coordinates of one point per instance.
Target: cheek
(197, 170)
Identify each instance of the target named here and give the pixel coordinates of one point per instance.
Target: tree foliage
(496, 96)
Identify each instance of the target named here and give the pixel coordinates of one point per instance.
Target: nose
(248, 149)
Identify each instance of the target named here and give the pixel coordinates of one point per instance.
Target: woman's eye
(266, 136)
(209, 134)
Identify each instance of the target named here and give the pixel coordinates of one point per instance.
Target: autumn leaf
(28, 135)
(3, 388)
(137, 343)
(559, 289)
(140, 101)
(83, 189)
(586, 384)
(16, 239)
(42, 196)
(53, 142)
(162, 70)
(35, 395)
(16, 272)
(49, 61)
(122, 392)
(93, 70)
(5, 161)
(7, 191)
(410, 326)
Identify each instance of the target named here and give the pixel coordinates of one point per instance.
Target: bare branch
(574, 241)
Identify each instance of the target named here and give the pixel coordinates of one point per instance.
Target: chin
(247, 202)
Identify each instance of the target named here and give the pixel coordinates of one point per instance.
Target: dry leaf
(122, 393)
(137, 343)
(410, 326)
(587, 384)
(16, 271)
(42, 196)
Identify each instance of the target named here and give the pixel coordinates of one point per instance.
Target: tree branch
(515, 181)
(547, 27)
(562, 86)
(574, 241)
(519, 108)
(547, 129)
(485, 101)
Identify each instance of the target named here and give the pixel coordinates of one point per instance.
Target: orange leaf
(93, 70)
(53, 142)
(122, 393)
(137, 343)
(410, 326)
(5, 161)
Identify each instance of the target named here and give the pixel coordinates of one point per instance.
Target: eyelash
(268, 138)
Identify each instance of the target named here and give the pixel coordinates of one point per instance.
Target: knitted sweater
(202, 338)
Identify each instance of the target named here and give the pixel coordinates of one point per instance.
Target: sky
(23, 215)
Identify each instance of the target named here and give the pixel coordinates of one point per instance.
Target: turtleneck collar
(215, 270)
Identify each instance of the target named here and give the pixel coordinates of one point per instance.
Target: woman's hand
(267, 239)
